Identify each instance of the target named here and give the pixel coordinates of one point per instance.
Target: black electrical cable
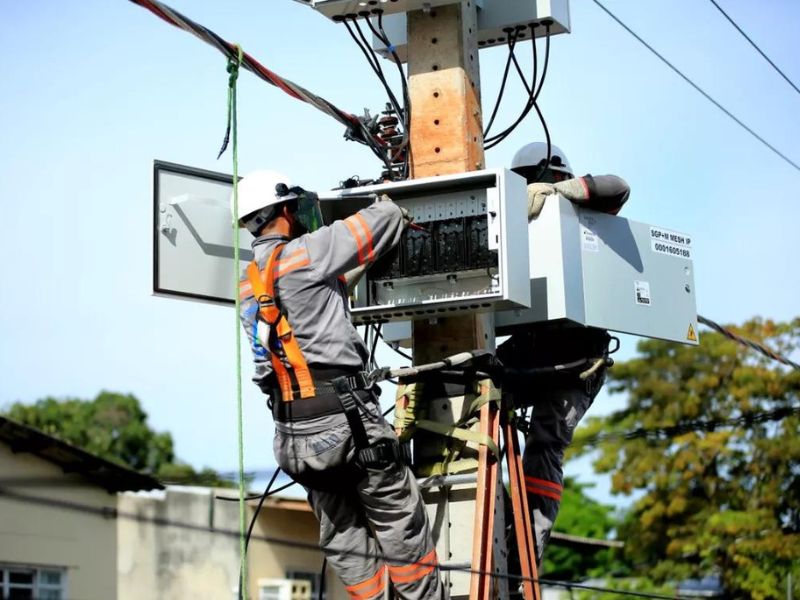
(374, 62)
(406, 94)
(376, 332)
(384, 37)
(397, 350)
(321, 593)
(256, 496)
(752, 43)
(534, 92)
(512, 41)
(738, 121)
(368, 49)
(252, 524)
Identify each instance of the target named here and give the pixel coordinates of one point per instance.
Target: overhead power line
(697, 87)
(108, 512)
(667, 432)
(747, 343)
(358, 129)
(754, 45)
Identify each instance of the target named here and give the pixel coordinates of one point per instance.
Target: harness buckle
(265, 301)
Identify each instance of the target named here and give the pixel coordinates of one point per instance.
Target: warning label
(589, 241)
(691, 335)
(670, 243)
(641, 291)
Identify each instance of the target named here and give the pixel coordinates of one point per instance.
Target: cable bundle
(356, 127)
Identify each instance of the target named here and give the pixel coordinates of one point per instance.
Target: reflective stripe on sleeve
(368, 233)
(351, 225)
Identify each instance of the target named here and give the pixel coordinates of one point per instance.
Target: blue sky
(93, 91)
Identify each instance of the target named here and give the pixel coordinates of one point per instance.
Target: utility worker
(559, 398)
(330, 435)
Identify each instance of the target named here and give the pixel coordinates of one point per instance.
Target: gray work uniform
(365, 513)
(559, 400)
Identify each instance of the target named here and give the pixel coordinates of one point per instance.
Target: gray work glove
(407, 218)
(537, 194)
(574, 190)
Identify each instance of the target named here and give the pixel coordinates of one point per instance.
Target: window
(314, 582)
(32, 583)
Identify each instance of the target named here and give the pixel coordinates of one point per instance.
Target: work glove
(537, 194)
(407, 218)
(574, 190)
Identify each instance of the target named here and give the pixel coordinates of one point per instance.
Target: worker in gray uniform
(559, 398)
(330, 435)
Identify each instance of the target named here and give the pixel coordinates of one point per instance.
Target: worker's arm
(356, 241)
(604, 193)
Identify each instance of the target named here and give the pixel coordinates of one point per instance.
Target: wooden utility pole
(447, 138)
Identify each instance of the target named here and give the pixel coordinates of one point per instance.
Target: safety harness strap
(456, 432)
(345, 391)
(282, 342)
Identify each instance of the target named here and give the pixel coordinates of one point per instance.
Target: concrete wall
(40, 535)
(289, 520)
(158, 561)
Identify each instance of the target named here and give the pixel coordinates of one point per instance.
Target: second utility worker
(330, 435)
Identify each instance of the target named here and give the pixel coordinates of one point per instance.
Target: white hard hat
(257, 191)
(530, 158)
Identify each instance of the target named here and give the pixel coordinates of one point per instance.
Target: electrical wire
(397, 350)
(114, 513)
(698, 88)
(747, 343)
(372, 60)
(754, 45)
(533, 94)
(360, 132)
(512, 41)
(384, 37)
(668, 432)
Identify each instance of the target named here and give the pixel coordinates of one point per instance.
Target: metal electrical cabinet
(605, 271)
(495, 17)
(337, 9)
(471, 257)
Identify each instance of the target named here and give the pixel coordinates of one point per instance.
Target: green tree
(582, 516)
(113, 426)
(709, 438)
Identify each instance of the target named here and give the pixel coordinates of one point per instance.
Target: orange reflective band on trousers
(415, 571)
(542, 487)
(369, 588)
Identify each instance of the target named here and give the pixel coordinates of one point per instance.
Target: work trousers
(559, 402)
(373, 524)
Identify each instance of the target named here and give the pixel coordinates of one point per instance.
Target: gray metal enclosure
(605, 271)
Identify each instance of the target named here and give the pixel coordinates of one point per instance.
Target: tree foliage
(715, 457)
(113, 426)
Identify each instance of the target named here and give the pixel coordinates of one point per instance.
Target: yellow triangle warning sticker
(691, 335)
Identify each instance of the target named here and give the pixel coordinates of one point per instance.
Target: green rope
(233, 70)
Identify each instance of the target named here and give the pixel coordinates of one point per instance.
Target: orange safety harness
(286, 357)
